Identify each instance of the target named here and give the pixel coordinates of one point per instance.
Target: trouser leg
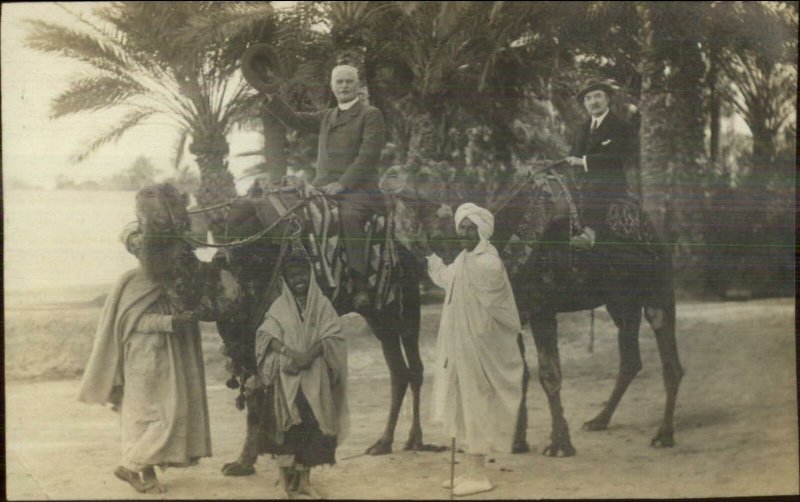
(354, 216)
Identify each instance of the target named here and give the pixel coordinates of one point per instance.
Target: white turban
(481, 217)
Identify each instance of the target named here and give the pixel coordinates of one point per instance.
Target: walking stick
(452, 465)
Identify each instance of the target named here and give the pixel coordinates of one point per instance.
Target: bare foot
(285, 482)
(149, 477)
(304, 488)
(132, 478)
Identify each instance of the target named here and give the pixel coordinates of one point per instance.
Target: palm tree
(139, 65)
(303, 46)
(760, 62)
(422, 59)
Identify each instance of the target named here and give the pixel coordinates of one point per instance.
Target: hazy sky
(36, 148)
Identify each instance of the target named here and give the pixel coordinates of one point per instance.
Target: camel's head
(161, 209)
(419, 184)
(425, 202)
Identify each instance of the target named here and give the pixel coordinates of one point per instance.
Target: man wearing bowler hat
(602, 147)
(351, 137)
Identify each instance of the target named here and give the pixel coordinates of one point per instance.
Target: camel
(534, 220)
(258, 229)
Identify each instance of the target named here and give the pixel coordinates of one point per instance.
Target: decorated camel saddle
(318, 224)
(536, 214)
(547, 208)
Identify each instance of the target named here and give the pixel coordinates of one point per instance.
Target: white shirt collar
(600, 119)
(348, 105)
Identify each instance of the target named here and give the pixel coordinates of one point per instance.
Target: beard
(468, 243)
(153, 257)
(167, 261)
(170, 264)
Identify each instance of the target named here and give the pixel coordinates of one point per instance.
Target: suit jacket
(350, 142)
(608, 150)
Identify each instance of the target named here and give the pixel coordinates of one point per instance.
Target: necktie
(594, 125)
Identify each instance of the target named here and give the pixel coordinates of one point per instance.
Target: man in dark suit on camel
(602, 147)
(351, 137)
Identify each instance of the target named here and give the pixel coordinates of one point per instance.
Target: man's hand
(303, 360)
(584, 241)
(444, 211)
(183, 320)
(291, 367)
(422, 242)
(333, 188)
(575, 161)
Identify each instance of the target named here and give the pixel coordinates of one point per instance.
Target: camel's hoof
(564, 447)
(663, 440)
(520, 447)
(238, 469)
(595, 424)
(380, 447)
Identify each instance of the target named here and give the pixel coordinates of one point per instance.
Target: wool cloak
(324, 383)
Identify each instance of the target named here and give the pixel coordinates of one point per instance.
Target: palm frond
(260, 168)
(355, 13)
(56, 39)
(252, 153)
(93, 93)
(496, 8)
(130, 120)
(234, 20)
(180, 147)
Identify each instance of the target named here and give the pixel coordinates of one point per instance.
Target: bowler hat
(594, 84)
(261, 68)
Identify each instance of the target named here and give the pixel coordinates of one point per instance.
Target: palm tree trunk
(672, 135)
(764, 149)
(274, 147)
(687, 127)
(426, 141)
(216, 182)
(654, 130)
(715, 105)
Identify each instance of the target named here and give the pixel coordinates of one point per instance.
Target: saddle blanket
(321, 238)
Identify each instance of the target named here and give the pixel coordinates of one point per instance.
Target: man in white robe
(478, 373)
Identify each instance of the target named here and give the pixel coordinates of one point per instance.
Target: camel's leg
(520, 444)
(662, 321)
(545, 335)
(255, 433)
(415, 372)
(399, 375)
(628, 322)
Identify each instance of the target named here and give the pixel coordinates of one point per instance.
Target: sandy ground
(736, 420)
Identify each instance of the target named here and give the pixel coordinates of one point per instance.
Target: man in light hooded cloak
(478, 373)
(301, 353)
(147, 363)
